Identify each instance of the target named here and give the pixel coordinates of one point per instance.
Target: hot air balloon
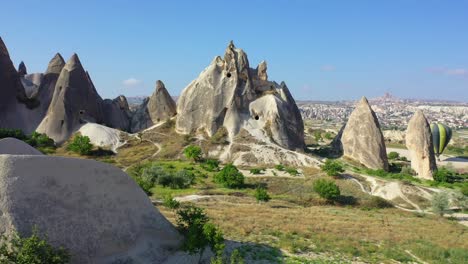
(441, 135)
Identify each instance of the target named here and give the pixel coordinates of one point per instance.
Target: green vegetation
(179, 180)
(332, 167)
(81, 145)
(210, 165)
(199, 233)
(279, 167)
(220, 137)
(393, 155)
(440, 203)
(37, 140)
(193, 152)
(170, 202)
(261, 194)
(230, 177)
(31, 250)
(256, 171)
(326, 189)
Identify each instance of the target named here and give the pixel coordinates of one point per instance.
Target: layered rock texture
(420, 145)
(362, 139)
(157, 108)
(93, 209)
(230, 95)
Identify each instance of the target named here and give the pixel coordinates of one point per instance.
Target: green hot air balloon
(441, 135)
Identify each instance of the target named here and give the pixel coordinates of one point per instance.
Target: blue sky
(323, 50)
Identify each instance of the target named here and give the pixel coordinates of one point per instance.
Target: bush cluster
(193, 152)
(81, 145)
(332, 167)
(262, 195)
(210, 165)
(37, 140)
(32, 249)
(147, 176)
(326, 189)
(230, 177)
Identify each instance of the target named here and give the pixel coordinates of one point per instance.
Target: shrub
(440, 203)
(326, 189)
(230, 177)
(211, 165)
(460, 200)
(32, 249)
(13, 133)
(292, 171)
(81, 145)
(179, 180)
(443, 174)
(193, 152)
(170, 202)
(193, 223)
(464, 189)
(332, 167)
(261, 195)
(279, 167)
(256, 171)
(393, 155)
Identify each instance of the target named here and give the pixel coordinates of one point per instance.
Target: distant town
(393, 112)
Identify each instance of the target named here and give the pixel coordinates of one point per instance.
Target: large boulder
(420, 145)
(157, 108)
(92, 209)
(362, 139)
(14, 146)
(75, 102)
(224, 95)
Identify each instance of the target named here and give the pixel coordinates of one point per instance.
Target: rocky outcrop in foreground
(362, 139)
(420, 145)
(157, 108)
(230, 95)
(92, 209)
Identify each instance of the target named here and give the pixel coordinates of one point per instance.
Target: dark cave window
(228, 75)
(257, 117)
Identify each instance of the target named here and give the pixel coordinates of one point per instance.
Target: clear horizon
(323, 50)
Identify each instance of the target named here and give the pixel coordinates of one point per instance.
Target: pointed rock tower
(47, 87)
(419, 143)
(230, 94)
(75, 102)
(22, 69)
(157, 108)
(362, 139)
(117, 113)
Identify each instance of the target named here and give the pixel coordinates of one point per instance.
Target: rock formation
(14, 146)
(92, 209)
(47, 85)
(116, 113)
(420, 145)
(14, 103)
(22, 69)
(362, 139)
(75, 102)
(224, 95)
(157, 108)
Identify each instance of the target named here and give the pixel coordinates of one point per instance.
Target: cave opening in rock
(228, 75)
(257, 117)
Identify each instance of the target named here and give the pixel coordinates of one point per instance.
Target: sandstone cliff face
(362, 139)
(157, 108)
(419, 143)
(93, 209)
(224, 95)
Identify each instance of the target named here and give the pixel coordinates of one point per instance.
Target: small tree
(230, 177)
(32, 249)
(193, 152)
(170, 202)
(332, 167)
(326, 189)
(443, 174)
(81, 145)
(261, 195)
(193, 223)
(393, 155)
(440, 203)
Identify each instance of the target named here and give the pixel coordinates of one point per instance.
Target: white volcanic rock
(157, 108)
(420, 145)
(362, 139)
(102, 136)
(224, 95)
(15, 146)
(93, 209)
